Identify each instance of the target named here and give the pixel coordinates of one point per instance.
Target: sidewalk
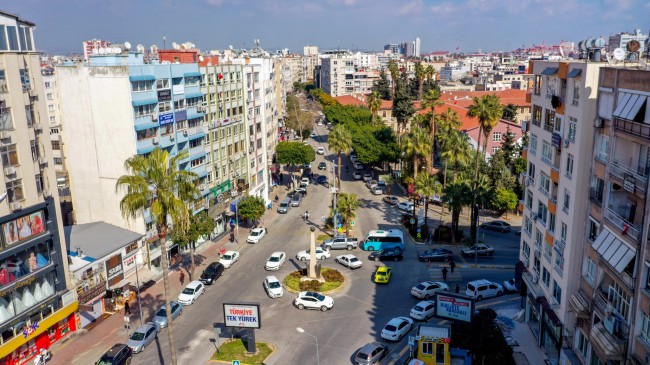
(525, 349)
(90, 343)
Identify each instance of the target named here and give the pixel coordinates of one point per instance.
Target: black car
(437, 254)
(322, 166)
(386, 255)
(212, 273)
(119, 354)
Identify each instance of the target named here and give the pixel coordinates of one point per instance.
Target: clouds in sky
(360, 24)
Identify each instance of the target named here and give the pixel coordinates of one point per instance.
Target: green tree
(509, 148)
(373, 102)
(420, 74)
(294, 153)
(403, 108)
(347, 205)
(393, 69)
(154, 183)
(251, 207)
(510, 112)
(298, 119)
(499, 172)
(388, 178)
(456, 195)
(504, 200)
(382, 86)
(339, 141)
(431, 100)
(185, 235)
(417, 145)
(427, 186)
(488, 110)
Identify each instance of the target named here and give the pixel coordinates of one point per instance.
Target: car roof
(271, 278)
(171, 302)
(383, 268)
(428, 282)
(481, 281)
(257, 229)
(193, 284)
(277, 253)
(230, 252)
(115, 349)
(145, 327)
(424, 303)
(396, 321)
(348, 256)
(371, 346)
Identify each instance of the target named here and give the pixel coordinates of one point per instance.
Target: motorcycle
(42, 357)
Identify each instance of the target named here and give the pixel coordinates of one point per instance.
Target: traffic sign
(235, 362)
(340, 225)
(352, 223)
(419, 229)
(411, 341)
(340, 229)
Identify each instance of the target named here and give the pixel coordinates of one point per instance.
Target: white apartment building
(54, 124)
(337, 75)
(559, 149)
(454, 71)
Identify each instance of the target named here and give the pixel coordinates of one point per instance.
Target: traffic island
(236, 350)
(331, 281)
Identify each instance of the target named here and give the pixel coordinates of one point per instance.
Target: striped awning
(614, 249)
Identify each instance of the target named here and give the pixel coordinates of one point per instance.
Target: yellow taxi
(383, 274)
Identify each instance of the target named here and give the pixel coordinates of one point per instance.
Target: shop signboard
(164, 95)
(181, 115)
(454, 307)
(114, 271)
(164, 119)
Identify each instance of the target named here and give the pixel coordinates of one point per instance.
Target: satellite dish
(632, 57)
(619, 54)
(140, 48)
(581, 45)
(599, 43)
(127, 45)
(192, 45)
(117, 50)
(633, 45)
(230, 47)
(175, 45)
(183, 46)
(153, 48)
(200, 58)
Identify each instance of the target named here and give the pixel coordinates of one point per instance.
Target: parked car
(423, 310)
(119, 354)
(229, 258)
(305, 180)
(340, 242)
(396, 328)
(320, 151)
(386, 255)
(391, 199)
(496, 225)
(256, 235)
(312, 134)
(377, 190)
(357, 175)
(482, 249)
(510, 286)
(370, 354)
(161, 315)
(302, 188)
(275, 261)
(427, 289)
(320, 254)
(353, 158)
(437, 254)
(349, 261)
(483, 289)
(381, 183)
(358, 166)
(212, 273)
(142, 336)
(322, 166)
(296, 199)
(284, 206)
(322, 180)
(383, 274)
(273, 287)
(313, 300)
(191, 292)
(405, 206)
(371, 184)
(367, 176)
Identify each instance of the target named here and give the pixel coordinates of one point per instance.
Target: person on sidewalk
(452, 265)
(444, 273)
(182, 277)
(457, 288)
(127, 309)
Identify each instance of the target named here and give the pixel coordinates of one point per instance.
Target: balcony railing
(633, 128)
(621, 171)
(601, 301)
(621, 223)
(595, 197)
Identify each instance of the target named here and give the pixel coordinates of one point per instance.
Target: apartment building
(346, 74)
(36, 307)
(54, 124)
(612, 301)
(560, 141)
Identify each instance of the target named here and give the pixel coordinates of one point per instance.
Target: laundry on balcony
(614, 250)
(629, 105)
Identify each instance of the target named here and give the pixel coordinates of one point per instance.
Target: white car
(405, 206)
(256, 235)
(319, 123)
(377, 190)
(427, 289)
(349, 261)
(367, 176)
(229, 258)
(358, 166)
(273, 287)
(320, 254)
(396, 328)
(191, 292)
(313, 300)
(305, 180)
(423, 310)
(320, 151)
(357, 175)
(275, 261)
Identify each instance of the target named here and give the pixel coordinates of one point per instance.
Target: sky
(367, 25)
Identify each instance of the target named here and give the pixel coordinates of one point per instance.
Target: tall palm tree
(348, 204)
(431, 100)
(339, 141)
(154, 182)
(417, 145)
(456, 150)
(393, 69)
(430, 71)
(373, 102)
(488, 110)
(420, 74)
(428, 186)
(456, 195)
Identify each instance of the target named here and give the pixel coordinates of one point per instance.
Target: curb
(221, 362)
(345, 284)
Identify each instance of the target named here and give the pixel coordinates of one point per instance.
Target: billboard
(455, 307)
(23, 228)
(245, 315)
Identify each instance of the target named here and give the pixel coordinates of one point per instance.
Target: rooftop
(97, 239)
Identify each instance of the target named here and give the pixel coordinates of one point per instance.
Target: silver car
(143, 336)
(161, 315)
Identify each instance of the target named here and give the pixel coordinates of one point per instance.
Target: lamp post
(299, 329)
(334, 222)
(477, 225)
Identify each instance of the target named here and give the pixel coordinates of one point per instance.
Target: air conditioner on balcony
(38, 127)
(154, 118)
(598, 122)
(42, 160)
(154, 140)
(535, 217)
(537, 252)
(535, 278)
(10, 171)
(185, 133)
(4, 88)
(251, 138)
(15, 206)
(171, 137)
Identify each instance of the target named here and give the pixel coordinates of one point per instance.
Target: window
(558, 125)
(526, 250)
(582, 344)
(529, 199)
(533, 144)
(548, 251)
(58, 161)
(198, 162)
(196, 142)
(602, 148)
(567, 200)
(179, 104)
(547, 153)
(647, 276)
(544, 183)
(557, 292)
(531, 170)
(39, 183)
(56, 145)
(546, 277)
(537, 115)
(495, 149)
(15, 191)
(35, 150)
(563, 231)
(573, 122)
(24, 79)
(542, 212)
(147, 133)
(576, 92)
(496, 137)
(569, 165)
(143, 110)
(162, 84)
(594, 229)
(551, 222)
(528, 226)
(549, 120)
(137, 86)
(538, 238)
(9, 155)
(536, 266)
(164, 106)
(427, 348)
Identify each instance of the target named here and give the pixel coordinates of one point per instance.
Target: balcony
(625, 173)
(596, 196)
(619, 222)
(633, 128)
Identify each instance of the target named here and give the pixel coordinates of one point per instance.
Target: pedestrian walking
(127, 309)
(457, 288)
(452, 265)
(182, 278)
(444, 273)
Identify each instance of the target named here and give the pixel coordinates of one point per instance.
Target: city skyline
(346, 24)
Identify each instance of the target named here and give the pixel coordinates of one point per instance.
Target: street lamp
(478, 219)
(299, 329)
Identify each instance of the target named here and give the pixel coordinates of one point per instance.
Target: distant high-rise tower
(393, 47)
(416, 47)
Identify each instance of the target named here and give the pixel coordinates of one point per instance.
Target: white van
(482, 289)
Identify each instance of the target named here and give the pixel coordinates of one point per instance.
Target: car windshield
(320, 297)
(188, 291)
(105, 360)
(284, 205)
(417, 308)
(354, 259)
(162, 312)
(420, 287)
(390, 328)
(137, 336)
(381, 273)
(363, 355)
(226, 257)
(274, 285)
(255, 233)
(274, 258)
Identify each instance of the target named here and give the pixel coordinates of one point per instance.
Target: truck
(482, 249)
(340, 242)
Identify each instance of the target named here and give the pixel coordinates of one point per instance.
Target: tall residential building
(392, 47)
(612, 300)
(36, 308)
(416, 47)
(341, 75)
(310, 51)
(560, 145)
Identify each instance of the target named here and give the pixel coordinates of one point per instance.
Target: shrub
(332, 275)
(295, 274)
(310, 285)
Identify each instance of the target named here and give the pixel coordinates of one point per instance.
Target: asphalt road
(360, 310)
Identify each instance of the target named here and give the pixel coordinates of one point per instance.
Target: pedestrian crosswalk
(453, 279)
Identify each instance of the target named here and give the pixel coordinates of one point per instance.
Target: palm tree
(417, 144)
(428, 186)
(155, 183)
(339, 141)
(420, 74)
(430, 71)
(432, 100)
(348, 204)
(373, 102)
(393, 68)
(456, 195)
(456, 150)
(488, 110)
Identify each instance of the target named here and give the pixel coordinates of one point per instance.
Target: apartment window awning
(142, 78)
(193, 95)
(629, 105)
(613, 249)
(141, 102)
(192, 74)
(550, 71)
(142, 126)
(574, 73)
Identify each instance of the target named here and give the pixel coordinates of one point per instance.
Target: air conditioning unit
(535, 278)
(202, 187)
(42, 160)
(185, 133)
(38, 127)
(598, 122)
(537, 252)
(250, 150)
(154, 140)
(171, 137)
(4, 88)
(233, 193)
(535, 217)
(154, 118)
(10, 171)
(15, 206)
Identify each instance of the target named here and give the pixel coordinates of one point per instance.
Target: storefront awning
(614, 249)
(142, 77)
